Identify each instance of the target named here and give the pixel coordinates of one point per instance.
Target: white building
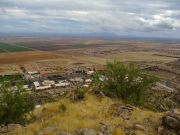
(32, 72)
(42, 88)
(26, 87)
(86, 85)
(88, 81)
(48, 82)
(37, 86)
(63, 83)
(76, 79)
(90, 72)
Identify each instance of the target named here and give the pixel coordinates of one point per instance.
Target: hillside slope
(92, 113)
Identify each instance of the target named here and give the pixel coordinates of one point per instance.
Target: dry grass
(92, 59)
(85, 114)
(126, 56)
(140, 56)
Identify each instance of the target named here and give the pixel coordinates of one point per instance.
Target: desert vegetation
(126, 82)
(92, 113)
(122, 99)
(82, 109)
(14, 105)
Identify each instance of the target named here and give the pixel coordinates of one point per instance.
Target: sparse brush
(126, 82)
(88, 113)
(78, 94)
(62, 108)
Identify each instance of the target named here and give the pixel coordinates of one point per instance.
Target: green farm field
(4, 47)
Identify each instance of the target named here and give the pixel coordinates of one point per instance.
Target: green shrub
(15, 104)
(127, 82)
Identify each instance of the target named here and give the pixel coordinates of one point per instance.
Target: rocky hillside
(91, 116)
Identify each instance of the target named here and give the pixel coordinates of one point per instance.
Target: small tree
(15, 104)
(124, 81)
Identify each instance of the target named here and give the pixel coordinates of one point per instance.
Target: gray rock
(48, 129)
(85, 131)
(90, 132)
(129, 131)
(160, 129)
(104, 130)
(139, 127)
(171, 120)
(100, 133)
(14, 126)
(123, 111)
(163, 131)
(64, 133)
(80, 131)
(10, 127)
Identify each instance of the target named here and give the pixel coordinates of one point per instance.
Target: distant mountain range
(105, 36)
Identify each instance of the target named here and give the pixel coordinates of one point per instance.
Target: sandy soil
(10, 58)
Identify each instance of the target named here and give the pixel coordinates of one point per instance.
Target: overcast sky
(152, 18)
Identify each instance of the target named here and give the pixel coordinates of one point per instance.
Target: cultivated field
(58, 56)
(4, 47)
(19, 57)
(53, 54)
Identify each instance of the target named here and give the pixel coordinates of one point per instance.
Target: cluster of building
(47, 84)
(40, 82)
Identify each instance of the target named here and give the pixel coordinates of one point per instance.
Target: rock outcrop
(83, 131)
(171, 123)
(123, 111)
(10, 127)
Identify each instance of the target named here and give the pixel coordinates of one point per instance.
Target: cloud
(163, 21)
(140, 17)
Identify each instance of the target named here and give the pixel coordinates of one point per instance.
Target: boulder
(85, 131)
(90, 132)
(123, 111)
(47, 130)
(139, 127)
(14, 126)
(163, 131)
(10, 127)
(64, 133)
(171, 120)
(104, 130)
